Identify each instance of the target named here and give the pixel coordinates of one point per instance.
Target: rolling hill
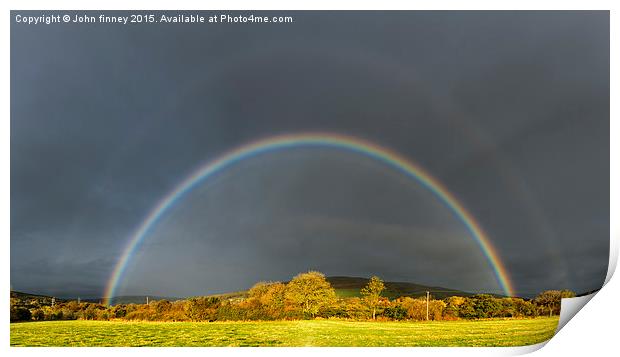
(32, 301)
(345, 286)
(137, 299)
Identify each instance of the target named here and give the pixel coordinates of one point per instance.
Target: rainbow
(330, 140)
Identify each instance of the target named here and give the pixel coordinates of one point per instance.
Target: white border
(593, 330)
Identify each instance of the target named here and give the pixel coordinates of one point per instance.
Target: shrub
(202, 308)
(20, 314)
(396, 312)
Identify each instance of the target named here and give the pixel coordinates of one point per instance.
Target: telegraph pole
(427, 295)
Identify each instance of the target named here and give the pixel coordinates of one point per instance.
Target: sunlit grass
(507, 332)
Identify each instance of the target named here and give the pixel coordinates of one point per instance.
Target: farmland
(487, 332)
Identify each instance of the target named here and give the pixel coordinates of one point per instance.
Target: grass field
(284, 333)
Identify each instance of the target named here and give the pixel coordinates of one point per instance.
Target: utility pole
(427, 296)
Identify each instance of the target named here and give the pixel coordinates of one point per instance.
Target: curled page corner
(570, 307)
(522, 350)
(613, 256)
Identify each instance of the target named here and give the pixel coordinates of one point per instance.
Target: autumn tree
(564, 294)
(269, 296)
(486, 305)
(372, 293)
(202, 308)
(522, 307)
(416, 308)
(310, 291)
(453, 306)
(552, 299)
(19, 313)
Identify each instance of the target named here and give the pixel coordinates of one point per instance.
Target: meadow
(487, 332)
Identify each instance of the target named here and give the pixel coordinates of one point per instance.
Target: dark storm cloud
(509, 110)
(71, 277)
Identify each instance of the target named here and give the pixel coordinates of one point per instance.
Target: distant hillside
(232, 296)
(137, 299)
(31, 300)
(347, 286)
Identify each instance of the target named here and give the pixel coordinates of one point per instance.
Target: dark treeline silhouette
(307, 295)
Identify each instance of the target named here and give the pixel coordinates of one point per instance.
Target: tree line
(307, 295)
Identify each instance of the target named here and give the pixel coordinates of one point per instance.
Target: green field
(507, 332)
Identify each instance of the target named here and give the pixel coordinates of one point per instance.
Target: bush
(38, 315)
(118, 311)
(396, 312)
(20, 314)
(202, 308)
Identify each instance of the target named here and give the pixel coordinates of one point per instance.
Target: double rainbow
(337, 141)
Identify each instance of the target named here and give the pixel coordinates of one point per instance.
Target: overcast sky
(510, 111)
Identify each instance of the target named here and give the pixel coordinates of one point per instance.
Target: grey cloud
(509, 110)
